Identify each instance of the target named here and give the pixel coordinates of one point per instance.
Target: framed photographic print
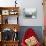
(7, 34)
(30, 12)
(5, 12)
(12, 20)
(13, 12)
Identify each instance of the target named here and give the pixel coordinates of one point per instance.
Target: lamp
(15, 30)
(15, 3)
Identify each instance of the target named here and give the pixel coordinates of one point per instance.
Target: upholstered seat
(30, 35)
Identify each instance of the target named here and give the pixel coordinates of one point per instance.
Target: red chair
(29, 33)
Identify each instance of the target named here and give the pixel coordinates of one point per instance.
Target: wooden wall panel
(44, 7)
(11, 26)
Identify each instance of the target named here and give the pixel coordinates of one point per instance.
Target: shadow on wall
(37, 29)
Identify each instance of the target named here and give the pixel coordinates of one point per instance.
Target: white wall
(6, 3)
(33, 22)
(27, 4)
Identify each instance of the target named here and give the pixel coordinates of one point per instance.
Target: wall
(33, 22)
(44, 2)
(44, 20)
(27, 4)
(6, 3)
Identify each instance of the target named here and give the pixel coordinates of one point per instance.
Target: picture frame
(13, 19)
(30, 13)
(5, 12)
(13, 12)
